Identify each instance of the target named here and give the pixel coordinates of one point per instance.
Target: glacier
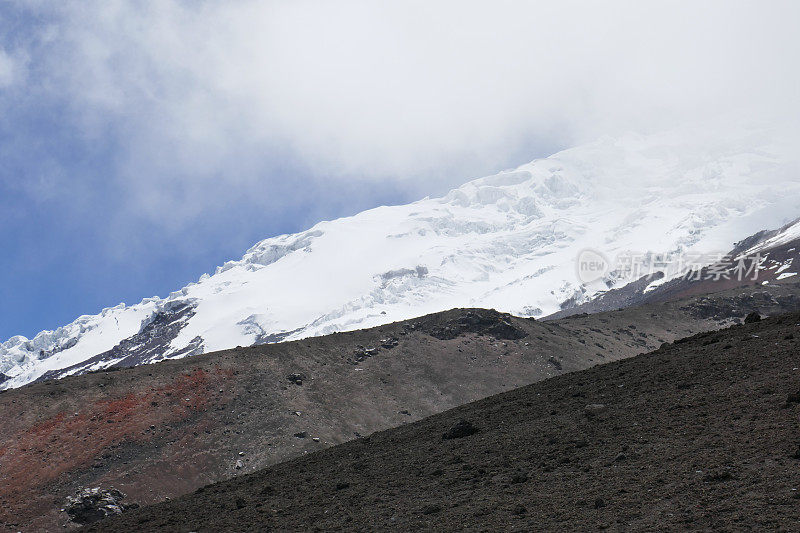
(507, 241)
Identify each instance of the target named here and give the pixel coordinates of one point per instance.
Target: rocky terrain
(161, 431)
(763, 258)
(697, 435)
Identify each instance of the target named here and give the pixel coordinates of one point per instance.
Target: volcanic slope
(701, 435)
(164, 430)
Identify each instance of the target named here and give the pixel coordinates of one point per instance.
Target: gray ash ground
(699, 435)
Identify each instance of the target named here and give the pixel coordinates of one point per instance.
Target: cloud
(9, 69)
(205, 100)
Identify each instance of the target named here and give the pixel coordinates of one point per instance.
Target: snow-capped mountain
(507, 241)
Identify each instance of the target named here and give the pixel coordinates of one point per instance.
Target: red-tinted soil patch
(70, 440)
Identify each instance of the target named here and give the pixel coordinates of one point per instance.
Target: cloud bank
(143, 143)
(204, 101)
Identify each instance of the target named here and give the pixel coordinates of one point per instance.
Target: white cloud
(199, 92)
(8, 69)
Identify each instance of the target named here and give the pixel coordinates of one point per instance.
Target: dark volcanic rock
(483, 322)
(792, 397)
(146, 346)
(718, 475)
(462, 428)
(91, 505)
(389, 343)
(599, 503)
(594, 410)
(431, 509)
(361, 354)
(752, 317)
(297, 379)
(519, 477)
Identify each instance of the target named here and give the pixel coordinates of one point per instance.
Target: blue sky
(143, 144)
(68, 252)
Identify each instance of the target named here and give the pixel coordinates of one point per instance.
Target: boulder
(594, 409)
(297, 379)
(461, 429)
(93, 504)
(752, 317)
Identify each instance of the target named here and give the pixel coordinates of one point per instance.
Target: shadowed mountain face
(146, 346)
(764, 258)
(164, 430)
(697, 435)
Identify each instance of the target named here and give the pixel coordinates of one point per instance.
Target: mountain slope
(698, 435)
(163, 430)
(507, 241)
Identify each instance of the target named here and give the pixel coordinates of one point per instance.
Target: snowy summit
(507, 241)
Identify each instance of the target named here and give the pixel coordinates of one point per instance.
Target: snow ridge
(507, 241)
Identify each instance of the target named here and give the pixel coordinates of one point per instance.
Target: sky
(144, 143)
